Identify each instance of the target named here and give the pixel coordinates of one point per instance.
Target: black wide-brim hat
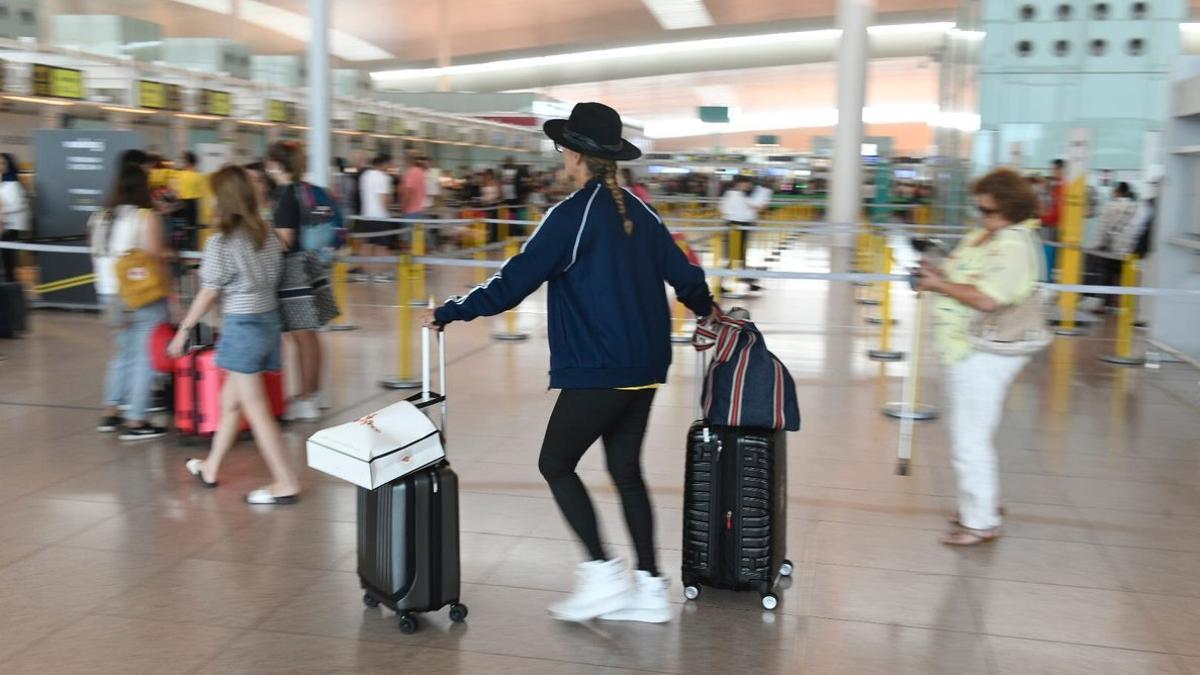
(593, 129)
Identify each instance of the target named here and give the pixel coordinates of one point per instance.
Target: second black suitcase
(735, 510)
(13, 310)
(408, 545)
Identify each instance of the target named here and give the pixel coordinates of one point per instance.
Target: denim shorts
(250, 343)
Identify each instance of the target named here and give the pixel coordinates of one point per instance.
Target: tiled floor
(112, 561)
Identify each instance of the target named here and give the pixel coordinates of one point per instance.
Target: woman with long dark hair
(606, 255)
(127, 222)
(14, 212)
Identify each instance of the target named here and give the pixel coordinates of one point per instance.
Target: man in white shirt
(739, 208)
(377, 193)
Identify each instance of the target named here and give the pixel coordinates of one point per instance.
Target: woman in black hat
(606, 255)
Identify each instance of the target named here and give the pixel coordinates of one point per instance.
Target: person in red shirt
(413, 187)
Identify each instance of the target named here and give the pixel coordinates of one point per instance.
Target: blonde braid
(606, 170)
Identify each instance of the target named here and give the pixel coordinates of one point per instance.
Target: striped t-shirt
(248, 277)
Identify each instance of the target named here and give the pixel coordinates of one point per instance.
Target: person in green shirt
(995, 265)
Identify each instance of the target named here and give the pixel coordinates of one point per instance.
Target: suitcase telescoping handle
(428, 397)
(701, 369)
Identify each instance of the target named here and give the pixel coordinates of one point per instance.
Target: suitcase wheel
(769, 601)
(370, 601)
(458, 613)
(691, 592)
(787, 568)
(408, 623)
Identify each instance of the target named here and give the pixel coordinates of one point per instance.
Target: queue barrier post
(511, 332)
(716, 245)
(737, 260)
(418, 270)
(883, 289)
(480, 241)
(341, 297)
(870, 294)
(1126, 317)
(885, 352)
(404, 378)
(679, 334)
(911, 408)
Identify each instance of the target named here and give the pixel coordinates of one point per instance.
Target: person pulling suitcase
(605, 254)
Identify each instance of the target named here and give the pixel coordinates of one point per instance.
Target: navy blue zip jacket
(609, 318)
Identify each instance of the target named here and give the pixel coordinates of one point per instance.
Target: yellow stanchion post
(1126, 316)
(511, 332)
(480, 240)
(418, 270)
(341, 296)
(885, 352)
(404, 378)
(871, 293)
(1070, 258)
(737, 260)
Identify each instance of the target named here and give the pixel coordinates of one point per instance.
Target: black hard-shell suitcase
(408, 555)
(735, 510)
(13, 310)
(734, 507)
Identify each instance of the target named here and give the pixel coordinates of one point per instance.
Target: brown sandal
(965, 536)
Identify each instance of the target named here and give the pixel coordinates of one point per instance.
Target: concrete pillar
(318, 94)
(845, 199)
(180, 136)
(443, 45)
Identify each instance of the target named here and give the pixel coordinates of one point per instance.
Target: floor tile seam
(1093, 645)
(38, 548)
(891, 624)
(428, 648)
(58, 406)
(984, 578)
(1138, 481)
(570, 538)
(751, 607)
(819, 518)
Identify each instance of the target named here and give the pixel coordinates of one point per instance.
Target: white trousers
(977, 386)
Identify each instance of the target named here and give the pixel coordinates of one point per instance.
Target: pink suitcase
(198, 383)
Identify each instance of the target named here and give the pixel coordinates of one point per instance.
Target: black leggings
(580, 417)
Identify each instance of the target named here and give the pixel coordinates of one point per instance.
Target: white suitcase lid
(379, 434)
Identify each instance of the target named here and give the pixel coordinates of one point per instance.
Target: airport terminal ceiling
(406, 32)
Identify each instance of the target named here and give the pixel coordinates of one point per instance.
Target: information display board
(398, 127)
(218, 103)
(58, 82)
(75, 170)
(366, 122)
(282, 112)
(159, 96)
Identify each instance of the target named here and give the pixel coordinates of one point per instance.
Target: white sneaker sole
(598, 609)
(639, 615)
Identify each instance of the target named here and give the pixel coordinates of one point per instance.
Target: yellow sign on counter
(58, 82)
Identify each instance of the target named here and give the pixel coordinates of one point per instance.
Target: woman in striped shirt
(242, 265)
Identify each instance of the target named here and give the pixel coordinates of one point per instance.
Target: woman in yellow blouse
(995, 266)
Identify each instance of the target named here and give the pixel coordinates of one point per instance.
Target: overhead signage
(160, 96)
(712, 114)
(398, 127)
(57, 82)
(766, 139)
(366, 122)
(282, 112)
(218, 103)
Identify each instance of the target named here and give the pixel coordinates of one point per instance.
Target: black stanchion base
(920, 413)
(1123, 360)
(399, 383)
(881, 355)
(511, 337)
(870, 302)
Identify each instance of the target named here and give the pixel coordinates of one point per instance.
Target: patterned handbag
(746, 385)
(305, 295)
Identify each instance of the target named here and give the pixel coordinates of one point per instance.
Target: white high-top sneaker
(601, 586)
(647, 601)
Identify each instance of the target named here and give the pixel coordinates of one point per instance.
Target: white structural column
(318, 94)
(845, 202)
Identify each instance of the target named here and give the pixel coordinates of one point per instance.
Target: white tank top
(111, 240)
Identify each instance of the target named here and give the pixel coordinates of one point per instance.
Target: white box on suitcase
(378, 448)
